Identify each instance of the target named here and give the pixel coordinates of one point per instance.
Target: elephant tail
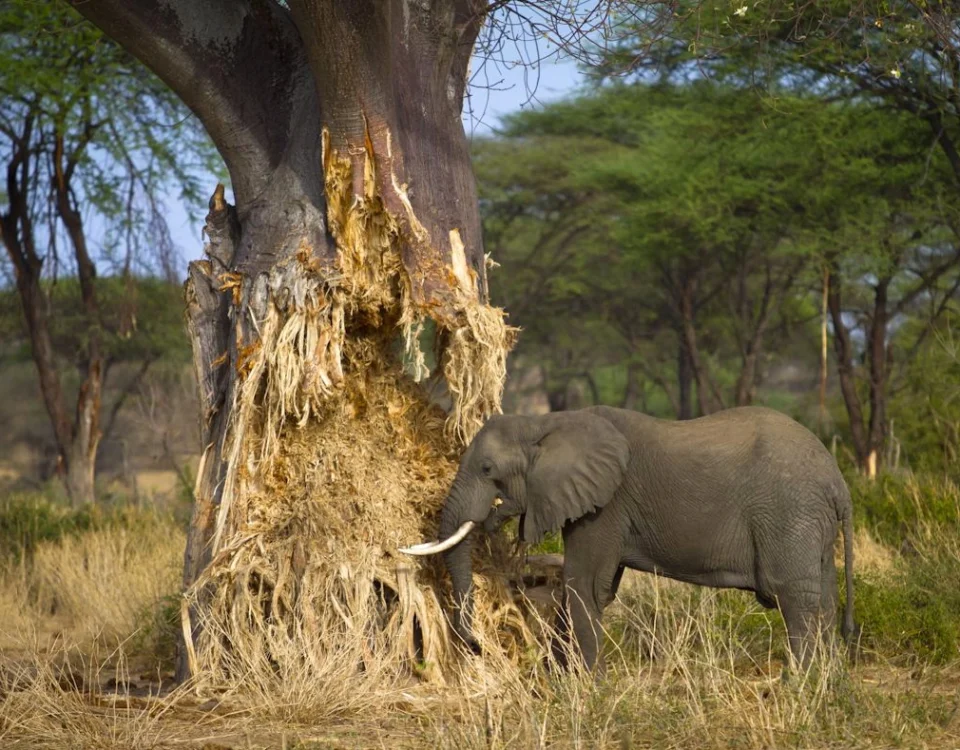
(849, 627)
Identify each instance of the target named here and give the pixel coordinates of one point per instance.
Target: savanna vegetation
(747, 204)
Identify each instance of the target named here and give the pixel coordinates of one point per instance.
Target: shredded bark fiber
(335, 458)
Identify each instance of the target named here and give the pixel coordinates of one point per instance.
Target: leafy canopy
(134, 143)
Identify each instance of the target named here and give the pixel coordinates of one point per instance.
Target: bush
(908, 619)
(156, 636)
(914, 612)
(899, 508)
(30, 519)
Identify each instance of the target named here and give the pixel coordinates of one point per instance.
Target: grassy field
(88, 612)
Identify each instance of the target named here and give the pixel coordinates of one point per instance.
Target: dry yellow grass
(872, 557)
(100, 585)
(688, 667)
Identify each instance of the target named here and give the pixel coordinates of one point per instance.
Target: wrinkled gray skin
(746, 498)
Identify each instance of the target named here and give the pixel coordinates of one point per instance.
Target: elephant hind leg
(802, 616)
(829, 593)
(765, 600)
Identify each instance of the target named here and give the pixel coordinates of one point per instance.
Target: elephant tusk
(432, 548)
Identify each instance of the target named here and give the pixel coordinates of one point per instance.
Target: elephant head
(549, 470)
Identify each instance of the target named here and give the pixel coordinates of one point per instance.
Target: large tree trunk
(356, 220)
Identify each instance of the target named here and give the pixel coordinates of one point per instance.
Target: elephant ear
(578, 465)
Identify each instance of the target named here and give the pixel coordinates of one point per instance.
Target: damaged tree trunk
(356, 220)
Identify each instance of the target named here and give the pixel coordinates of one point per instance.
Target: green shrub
(28, 519)
(913, 616)
(899, 507)
(156, 636)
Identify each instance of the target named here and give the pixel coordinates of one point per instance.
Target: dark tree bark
(356, 214)
(557, 398)
(708, 399)
(824, 312)
(843, 348)
(868, 435)
(77, 440)
(869, 430)
(877, 353)
(632, 390)
(684, 382)
(751, 330)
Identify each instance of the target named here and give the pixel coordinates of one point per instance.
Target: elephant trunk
(460, 566)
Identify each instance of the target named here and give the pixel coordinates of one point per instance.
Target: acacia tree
(656, 213)
(355, 221)
(85, 132)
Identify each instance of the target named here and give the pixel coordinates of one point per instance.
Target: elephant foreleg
(578, 632)
(592, 573)
(585, 597)
(587, 630)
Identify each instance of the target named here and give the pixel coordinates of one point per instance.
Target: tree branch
(927, 281)
(238, 65)
(127, 391)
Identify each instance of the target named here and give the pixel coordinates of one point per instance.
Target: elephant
(745, 498)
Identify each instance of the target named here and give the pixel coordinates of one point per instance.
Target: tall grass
(687, 666)
(699, 682)
(86, 575)
(53, 698)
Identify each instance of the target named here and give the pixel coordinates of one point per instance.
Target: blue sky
(497, 91)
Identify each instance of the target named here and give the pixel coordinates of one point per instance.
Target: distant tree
(900, 54)
(705, 213)
(142, 324)
(670, 205)
(87, 137)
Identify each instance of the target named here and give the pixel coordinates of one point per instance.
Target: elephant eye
(487, 468)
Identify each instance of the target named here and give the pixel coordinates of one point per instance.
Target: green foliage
(895, 50)
(914, 616)
(130, 140)
(925, 412)
(31, 518)
(913, 612)
(602, 208)
(154, 327)
(901, 509)
(157, 632)
(552, 543)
